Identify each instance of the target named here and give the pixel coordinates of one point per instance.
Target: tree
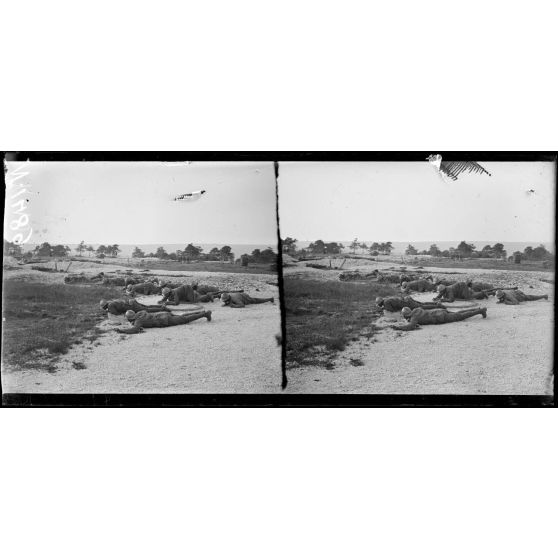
(12, 249)
(45, 249)
(59, 251)
(114, 250)
(260, 256)
(89, 249)
(138, 253)
(226, 253)
(528, 252)
(434, 251)
(411, 250)
(268, 255)
(192, 252)
(317, 247)
(289, 245)
(101, 250)
(81, 248)
(363, 246)
(214, 254)
(498, 250)
(161, 253)
(465, 250)
(333, 248)
(487, 252)
(354, 245)
(384, 248)
(541, 253)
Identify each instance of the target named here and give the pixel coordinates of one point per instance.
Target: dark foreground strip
(273, 400)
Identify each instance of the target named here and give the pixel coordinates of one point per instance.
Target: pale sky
(409, 201)
(131, 202)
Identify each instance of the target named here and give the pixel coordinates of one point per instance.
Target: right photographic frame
(419, 278)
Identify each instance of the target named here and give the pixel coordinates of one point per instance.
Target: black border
(280, 399)
(272, 400)
(303, 156)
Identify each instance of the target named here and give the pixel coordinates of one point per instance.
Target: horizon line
(149, 243)
(430, 240)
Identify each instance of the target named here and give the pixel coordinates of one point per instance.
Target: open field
(480, 263)
(441, 263)
(56, 340)
(152, 263)
(204, 266)
(508, 353)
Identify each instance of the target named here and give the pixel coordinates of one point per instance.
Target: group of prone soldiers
(158, 315)
(432, 313)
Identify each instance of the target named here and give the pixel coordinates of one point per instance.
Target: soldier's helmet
(441, 289)
(103, 304)
(406, 312)
(130, 315)
(195, 285)
(166, 291)
(500, 294)
(404, 285)
(379, 301)
(225, 297)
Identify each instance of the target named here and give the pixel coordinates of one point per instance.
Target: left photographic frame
(140, 279)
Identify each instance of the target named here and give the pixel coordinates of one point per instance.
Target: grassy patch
(323, 317)
(42, 321)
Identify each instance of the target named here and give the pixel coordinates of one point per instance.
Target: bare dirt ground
(511, 352)
(236, 352)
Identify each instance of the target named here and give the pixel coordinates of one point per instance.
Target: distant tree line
(320, 247)
(190, 253)
(111, 250)
(195, 253)
(466, 250)
(267, 256)
(463, 250)
(47, 250)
